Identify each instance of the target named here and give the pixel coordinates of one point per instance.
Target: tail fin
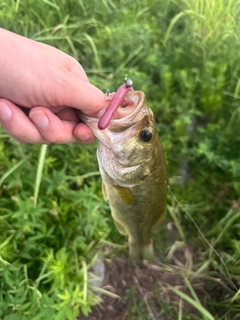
(141, 252)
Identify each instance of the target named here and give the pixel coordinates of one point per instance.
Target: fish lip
(130, 117)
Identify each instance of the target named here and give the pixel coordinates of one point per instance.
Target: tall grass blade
(130, 57)
(41, 160)
(82, 6)
(107, 4)
(51, 4)
(107, 293)
(196, 304)
(71, 45)
(180, 313)
(171, 211)
(228, 224)
(94, 49)
(11, 170)
(205, 239)
(192, 290)
(171, 25)
(40, 19)
(85, 281)
(175, 20)
(17, 5)
(3, 244)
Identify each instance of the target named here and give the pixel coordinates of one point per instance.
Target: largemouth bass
(133, 170)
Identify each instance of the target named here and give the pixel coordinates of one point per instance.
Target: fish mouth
(126, 115)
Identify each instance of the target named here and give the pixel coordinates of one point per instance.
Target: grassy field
(54, 223)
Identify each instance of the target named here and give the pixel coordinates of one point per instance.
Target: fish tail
(141, 252)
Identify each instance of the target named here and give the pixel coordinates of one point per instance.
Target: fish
(133, 169)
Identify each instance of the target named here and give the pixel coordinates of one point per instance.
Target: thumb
(84, 96)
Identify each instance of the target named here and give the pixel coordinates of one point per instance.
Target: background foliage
(184, 55)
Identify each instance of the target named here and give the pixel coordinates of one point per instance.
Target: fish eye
(145, 135)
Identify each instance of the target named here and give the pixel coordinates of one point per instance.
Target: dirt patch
(145, 290)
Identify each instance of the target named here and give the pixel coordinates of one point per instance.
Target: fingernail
(40, 119)
(5, 112)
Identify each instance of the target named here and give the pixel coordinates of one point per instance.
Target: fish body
(134, 174)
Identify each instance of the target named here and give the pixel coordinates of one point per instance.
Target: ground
(144, 291)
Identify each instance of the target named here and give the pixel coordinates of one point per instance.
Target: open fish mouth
(129, 112)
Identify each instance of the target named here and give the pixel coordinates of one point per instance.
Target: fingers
(18, 125)
(83, 133)
(80, 131)
(42, 126)
(68, 114)
(51, 127)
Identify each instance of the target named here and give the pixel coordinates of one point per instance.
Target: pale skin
(51, 86)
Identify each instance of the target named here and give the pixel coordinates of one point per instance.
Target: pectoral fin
(125, 194)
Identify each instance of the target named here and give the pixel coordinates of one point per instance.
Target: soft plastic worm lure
(115, 104)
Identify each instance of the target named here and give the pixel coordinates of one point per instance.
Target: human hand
(51, 86)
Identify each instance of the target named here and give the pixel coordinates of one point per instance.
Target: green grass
(184, 55)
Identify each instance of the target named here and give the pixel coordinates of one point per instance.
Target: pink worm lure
(115, 104)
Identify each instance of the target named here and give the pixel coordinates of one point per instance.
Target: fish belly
(135, 211)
